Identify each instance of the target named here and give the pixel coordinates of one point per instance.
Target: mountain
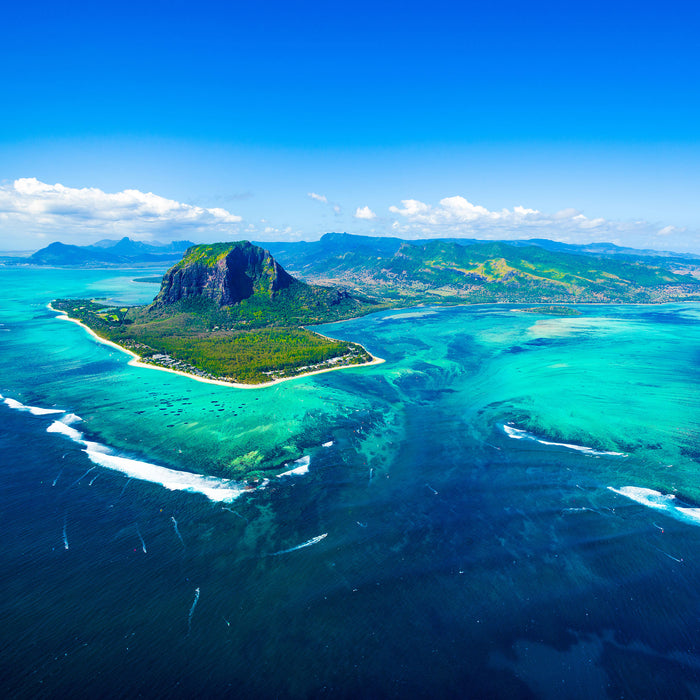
(224, 273)
(64, 254)
(310, 257)
(460, 270)
(333, 246)
(230, 311)
(106, 253)
(242, 282)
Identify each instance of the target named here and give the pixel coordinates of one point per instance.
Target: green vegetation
(448, 272)
(256, 339)
(186, 341)
(208, 254)
(230, 311)
(553, 310)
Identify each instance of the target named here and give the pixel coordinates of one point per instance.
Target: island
(552, 310)
(229, 313)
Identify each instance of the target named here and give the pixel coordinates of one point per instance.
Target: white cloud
(458, 217)
(459, 213)
(412, 208)
(364, 213)
(324, 200)
(30, 209)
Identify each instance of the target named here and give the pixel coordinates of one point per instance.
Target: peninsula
(229, 312)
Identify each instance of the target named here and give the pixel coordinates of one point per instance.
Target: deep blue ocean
(508, 507)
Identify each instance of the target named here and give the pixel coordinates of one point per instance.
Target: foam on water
(71, 418)
(410, 315)
(34, 410)
(519, 434)
(60, 427)
(213, 488)
(303, 467)
(659, 501)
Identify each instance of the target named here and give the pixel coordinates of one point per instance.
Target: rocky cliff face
(226, 273)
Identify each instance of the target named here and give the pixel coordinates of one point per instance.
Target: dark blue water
(457, 561)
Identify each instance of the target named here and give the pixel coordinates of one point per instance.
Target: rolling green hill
(418, 272)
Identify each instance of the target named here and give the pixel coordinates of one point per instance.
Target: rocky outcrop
(224, 273)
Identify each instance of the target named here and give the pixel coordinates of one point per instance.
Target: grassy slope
(450, 272)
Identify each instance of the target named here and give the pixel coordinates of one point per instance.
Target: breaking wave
(668, 503)
(302, 468)
(214, 488)
(34, 410)
(519, 434)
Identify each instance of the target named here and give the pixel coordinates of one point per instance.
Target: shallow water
(507, 507)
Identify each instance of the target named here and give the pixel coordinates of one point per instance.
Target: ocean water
(507, 507)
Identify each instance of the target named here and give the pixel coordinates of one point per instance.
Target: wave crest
(519, 434)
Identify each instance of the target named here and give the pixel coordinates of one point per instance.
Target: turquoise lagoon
(507, 507)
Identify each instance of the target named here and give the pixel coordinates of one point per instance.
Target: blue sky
(207, 121)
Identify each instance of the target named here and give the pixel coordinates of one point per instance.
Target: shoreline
(136, 361)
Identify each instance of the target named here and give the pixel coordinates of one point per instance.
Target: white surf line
(177, 531)
(308, 543)
(34, 410)
(666, 503)
(303, 467)
(194, 605)
(214, 488)
(519, 434)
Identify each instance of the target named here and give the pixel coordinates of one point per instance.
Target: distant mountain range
(334, 243)
(462, 270)
(105, 253)
(300, 256)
